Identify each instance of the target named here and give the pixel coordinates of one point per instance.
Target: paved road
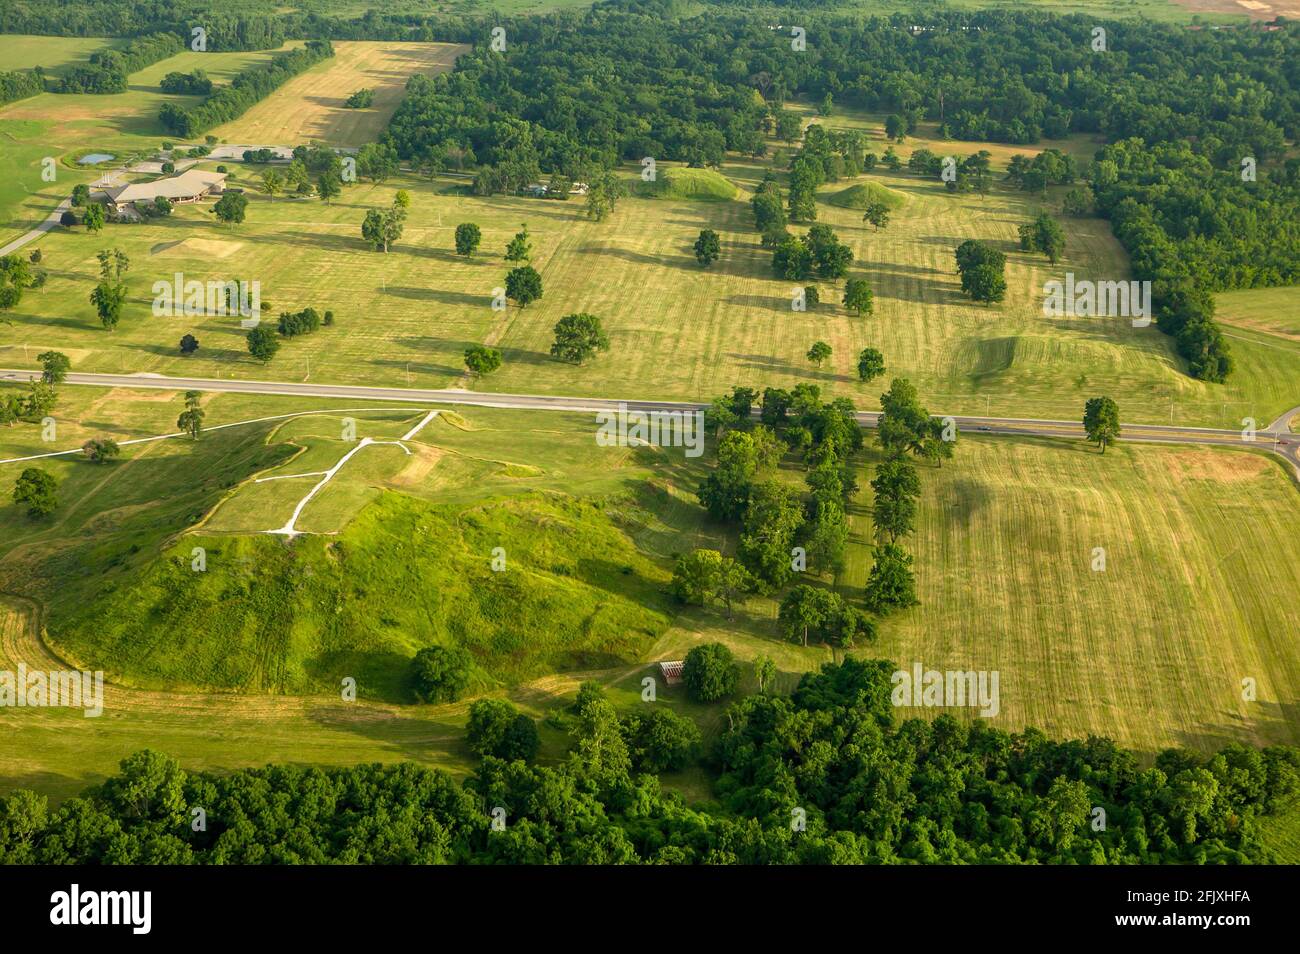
(53, 218)
(1275, 436)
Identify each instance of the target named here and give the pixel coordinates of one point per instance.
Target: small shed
(671, 670)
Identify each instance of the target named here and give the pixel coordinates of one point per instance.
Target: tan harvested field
(310, 107)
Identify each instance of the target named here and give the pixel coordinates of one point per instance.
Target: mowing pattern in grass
(309, 108)
(1202, 551)
(1275, 311)
(677, 330)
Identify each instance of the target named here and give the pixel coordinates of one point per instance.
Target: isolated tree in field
(890, 585)
(109, 296)
(37, 491)
(54, 366)
(482, 360)
(263, 343)
(68, 219)
(895, 127)
(191, 419)
(382, 229)
(812, 296)
(983, 271)
(231, 208)
(80, 195)
(707, 247)
(710, 673)
(858, 296)
(328, 187)
(101, 450)
(819, 352)
(523, 285)
(877, 214)
(519, 248)
(468, 238)
(764, 673)
(578, 337)
(93, 218)
(189, 344)
(871, 365)
(440, 673)
(1101, 421)
(272, 182)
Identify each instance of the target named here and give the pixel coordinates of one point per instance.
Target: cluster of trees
(19, 84)
(790, 791)
(818, 254)
(361, 99)
(972, 172)
(825, 156)
(247, 88)
(781, 532)
(982, 269)
(295, 323)
(1050, 167)
(905, 429)
(187, 84)
(16, 276)
(1044, 235)
(108, 69)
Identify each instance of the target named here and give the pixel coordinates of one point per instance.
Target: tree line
(248, 87)
(790, 791)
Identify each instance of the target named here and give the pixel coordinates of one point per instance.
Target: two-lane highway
(1275, 437)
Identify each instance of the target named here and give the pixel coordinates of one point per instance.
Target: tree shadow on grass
(438, 295)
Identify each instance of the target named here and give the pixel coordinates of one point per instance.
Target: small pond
(94, 159)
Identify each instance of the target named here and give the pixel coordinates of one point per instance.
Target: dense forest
(824, 775)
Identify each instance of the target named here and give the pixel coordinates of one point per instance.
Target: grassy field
(54, 54)
(309, 108)
(1275, 311)
(677, 331)
(1151, 651)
